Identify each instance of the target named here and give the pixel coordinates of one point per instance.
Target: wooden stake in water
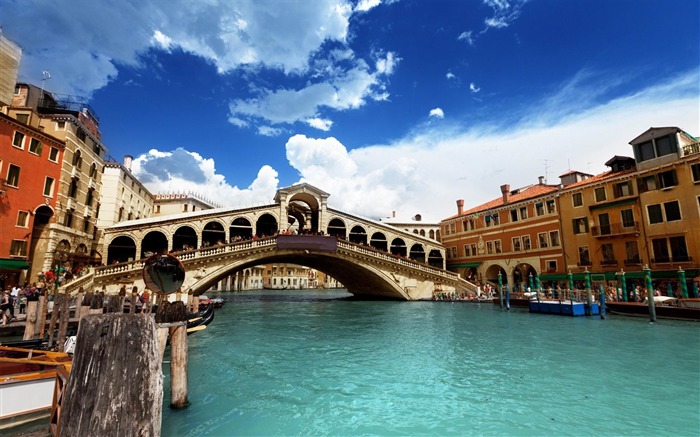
(650, 294)
(602, 301)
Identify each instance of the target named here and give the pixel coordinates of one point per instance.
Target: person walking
(5, 306)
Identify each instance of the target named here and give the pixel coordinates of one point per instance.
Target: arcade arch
(185, 238)
(213, 233)
(398, 247)
(358, 235)
(266, 226)
(153, 243)
(336, 227)
(417, 253)
(240, 229)
(121, 249)
(378, 241)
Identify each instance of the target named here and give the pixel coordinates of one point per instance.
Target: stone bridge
(364, 270)
(369, 257)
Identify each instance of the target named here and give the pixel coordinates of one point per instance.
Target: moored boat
(27, 380)
(664, 307)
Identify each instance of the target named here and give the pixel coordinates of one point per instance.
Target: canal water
(309, 363)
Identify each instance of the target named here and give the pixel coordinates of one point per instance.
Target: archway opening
(266, 226)
(435, 258)
(398, 247)
(213, 234)
(153, 243)
(121, 249)
(336, 228)
(358, 235)
(185, 238)
(378, 241)
(417, 253)
(240, 229)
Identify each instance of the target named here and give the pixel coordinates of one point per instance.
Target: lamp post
(500, 287)
(650, 293)
(683, 283)
(624, 285)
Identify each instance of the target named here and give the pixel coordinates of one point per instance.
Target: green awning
(614, 276)
(13, 264)
(463, 265)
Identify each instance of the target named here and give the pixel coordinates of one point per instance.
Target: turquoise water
(300, 364)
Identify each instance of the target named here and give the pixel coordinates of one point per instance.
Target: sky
(389, 106)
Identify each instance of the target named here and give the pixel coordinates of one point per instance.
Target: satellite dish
(163, 274)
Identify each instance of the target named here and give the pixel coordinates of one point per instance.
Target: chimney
(460, 206)
(393, 214)
(505, 191)
(127, 161)
(541, 179)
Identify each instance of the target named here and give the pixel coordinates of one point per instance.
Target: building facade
(30, 170)
(515, 235)
(72, 230)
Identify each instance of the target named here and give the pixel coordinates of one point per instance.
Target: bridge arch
(398, 247)
(152, 243)
(240, 229)
(121, 249)
(185, 238)
(378, 241)
(337, 228)
(266, 226)
(358, 235)
(213, 233)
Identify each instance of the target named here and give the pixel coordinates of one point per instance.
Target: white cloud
(473, 88)
(162, 40)
(319, 123)
(437, 113)
(387, 64)
(366, 5)
(505, 12)
(450, 76)
(466, 36)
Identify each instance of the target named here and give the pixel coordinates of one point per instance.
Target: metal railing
(615, 229)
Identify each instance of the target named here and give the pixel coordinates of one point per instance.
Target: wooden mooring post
(172, 318)
(99, 399)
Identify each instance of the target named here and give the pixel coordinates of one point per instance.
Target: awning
(463, 265)
(13, 264)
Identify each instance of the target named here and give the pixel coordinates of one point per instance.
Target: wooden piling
(174, 314)
(30, 326)
(63, 320)
(42, 311)
(98, 399)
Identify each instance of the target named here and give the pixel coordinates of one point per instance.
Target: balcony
(672, 260)
(70, 204)
(615, 229)
(87, 212)
(65, 104)
(691, 149)
(74, 173)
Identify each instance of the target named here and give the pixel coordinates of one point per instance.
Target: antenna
(546, 168)
(45, 76)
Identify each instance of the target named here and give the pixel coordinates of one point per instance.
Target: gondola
(198, 321)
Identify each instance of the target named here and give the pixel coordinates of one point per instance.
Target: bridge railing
(242, 246)
(372, 252)
(186, 256)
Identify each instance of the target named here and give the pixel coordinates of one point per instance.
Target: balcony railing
(691, 149)
(671, 260)
(66, 104)
(615, 229)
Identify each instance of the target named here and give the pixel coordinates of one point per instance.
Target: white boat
(27, 381)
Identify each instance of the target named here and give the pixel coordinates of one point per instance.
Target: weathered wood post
(63, 320)
(173, 317)
(134, 298)
(30, 326)
(98, 400)
(41, 311)
(54, 317)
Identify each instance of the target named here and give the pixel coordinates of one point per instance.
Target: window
(12, 176)
(600, 195)
(523, 212)
(18, 248)
(157, 209)
(89, 197)
(18, 140)
(35, 146)
(68, 218)
(645, 151)
(86, 225)
(77, 159)
(23, 118)
(554, 238)
(580, 225)
(672, 211)
(526, 242)
(453, 226)
(695, 169)
(497, 246)
(513, 215)
(93, 170)
(468, 224)
(551, 207)
(627, 216)
(81, 135)
(491, 219)
(53, 154)
(632, 253)
(660, 248)
(121, 214)
(655, 215)
(584, 258)
(23, 219)
(489, 247)
(551, 265)
(473, 247)
(608, 254)
(665, 145)
(667, 179)
(60, 125)
(73, 189)
(577, 199)
(604, 223)
(622, 189)
(647, 183)
(48, 186)
(539, 209)
(542, 237)
(679, 250)
(516, 244)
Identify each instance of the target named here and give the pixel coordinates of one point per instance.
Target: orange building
(516, 235)
(30, 170)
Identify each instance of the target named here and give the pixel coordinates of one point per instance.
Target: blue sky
(400, 105)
